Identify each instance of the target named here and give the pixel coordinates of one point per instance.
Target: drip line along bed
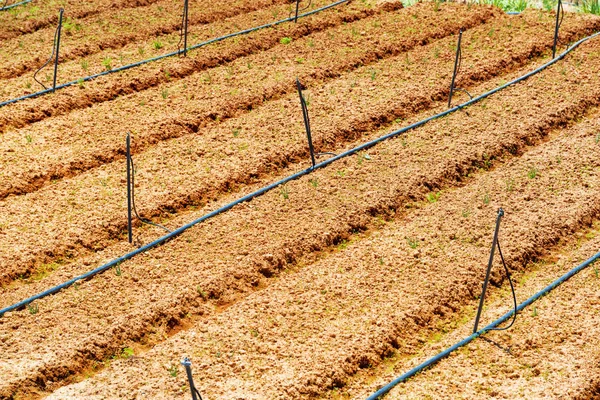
(329, 186)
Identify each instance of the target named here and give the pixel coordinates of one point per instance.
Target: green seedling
(85, 65)
(157, 44)
(533, 172)
(127, 352)
(33, 308)
(28, 138)
(173, 370)
(598, 138)
(107, 63)
(284, 192)
(535, 312)
(201, 292)
(373, 74)
(285, 40)
(486, 199)
(433, 197)
(412, 242)
(118, 270)
(164, 93)
(314, 182)
(80, 83)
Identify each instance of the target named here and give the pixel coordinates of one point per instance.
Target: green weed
(433, 197)
(533, 172)
(591, 7)
(107, 62)
(173, 370)
(118, 270)
(84, 65)
(127, 352)
(314, 182)
(164, 93)
(412, 242)
(33, 308)
(285, 40)
(157, 44)
(284, 192)
(486, 199)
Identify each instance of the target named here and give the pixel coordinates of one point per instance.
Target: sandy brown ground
(165, 71)
(212, 161)
(551, 352)
(205, 98)
(40, 13)
(114, 29)
(331, 216)
(320, 323)
(175, 190)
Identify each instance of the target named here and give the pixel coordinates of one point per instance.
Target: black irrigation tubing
(5, 8)
(295, 176)
(491, 326)
(175, 53)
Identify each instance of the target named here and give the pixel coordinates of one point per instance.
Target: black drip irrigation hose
(8, 7)
(175, 53)
(295, 176)
(493, 326)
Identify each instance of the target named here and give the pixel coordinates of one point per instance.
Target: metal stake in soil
(187, 363)
(185, 26)
(306, 122)
(60, 18)
(456, 66)
(489, 268)
(559, 12)
(297, 6)
(128, 157)
(54, 55)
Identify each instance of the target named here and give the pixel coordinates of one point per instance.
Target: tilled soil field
(331, 284)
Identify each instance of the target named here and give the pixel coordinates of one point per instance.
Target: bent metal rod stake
(307, 126)
(259, 192)
(187, 363)
(184, 28)
(495, 243)
(560, 13)
(457, 65)
(55, 53)
(438, 357)
(131, 194)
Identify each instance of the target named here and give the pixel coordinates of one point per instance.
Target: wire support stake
(131, 195)
(495, 243)
(184, 29)
(187, 363)
(54, 55)
(457, 63)
(298, 10)
(560, 13)
(306, 122)
(128, 157)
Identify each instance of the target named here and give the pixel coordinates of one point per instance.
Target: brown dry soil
(220, 262)
(320, 323)
(165, 71)
(114, 29)
(229, 154)
(551, 352)
(283, 296)
(41, 13)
